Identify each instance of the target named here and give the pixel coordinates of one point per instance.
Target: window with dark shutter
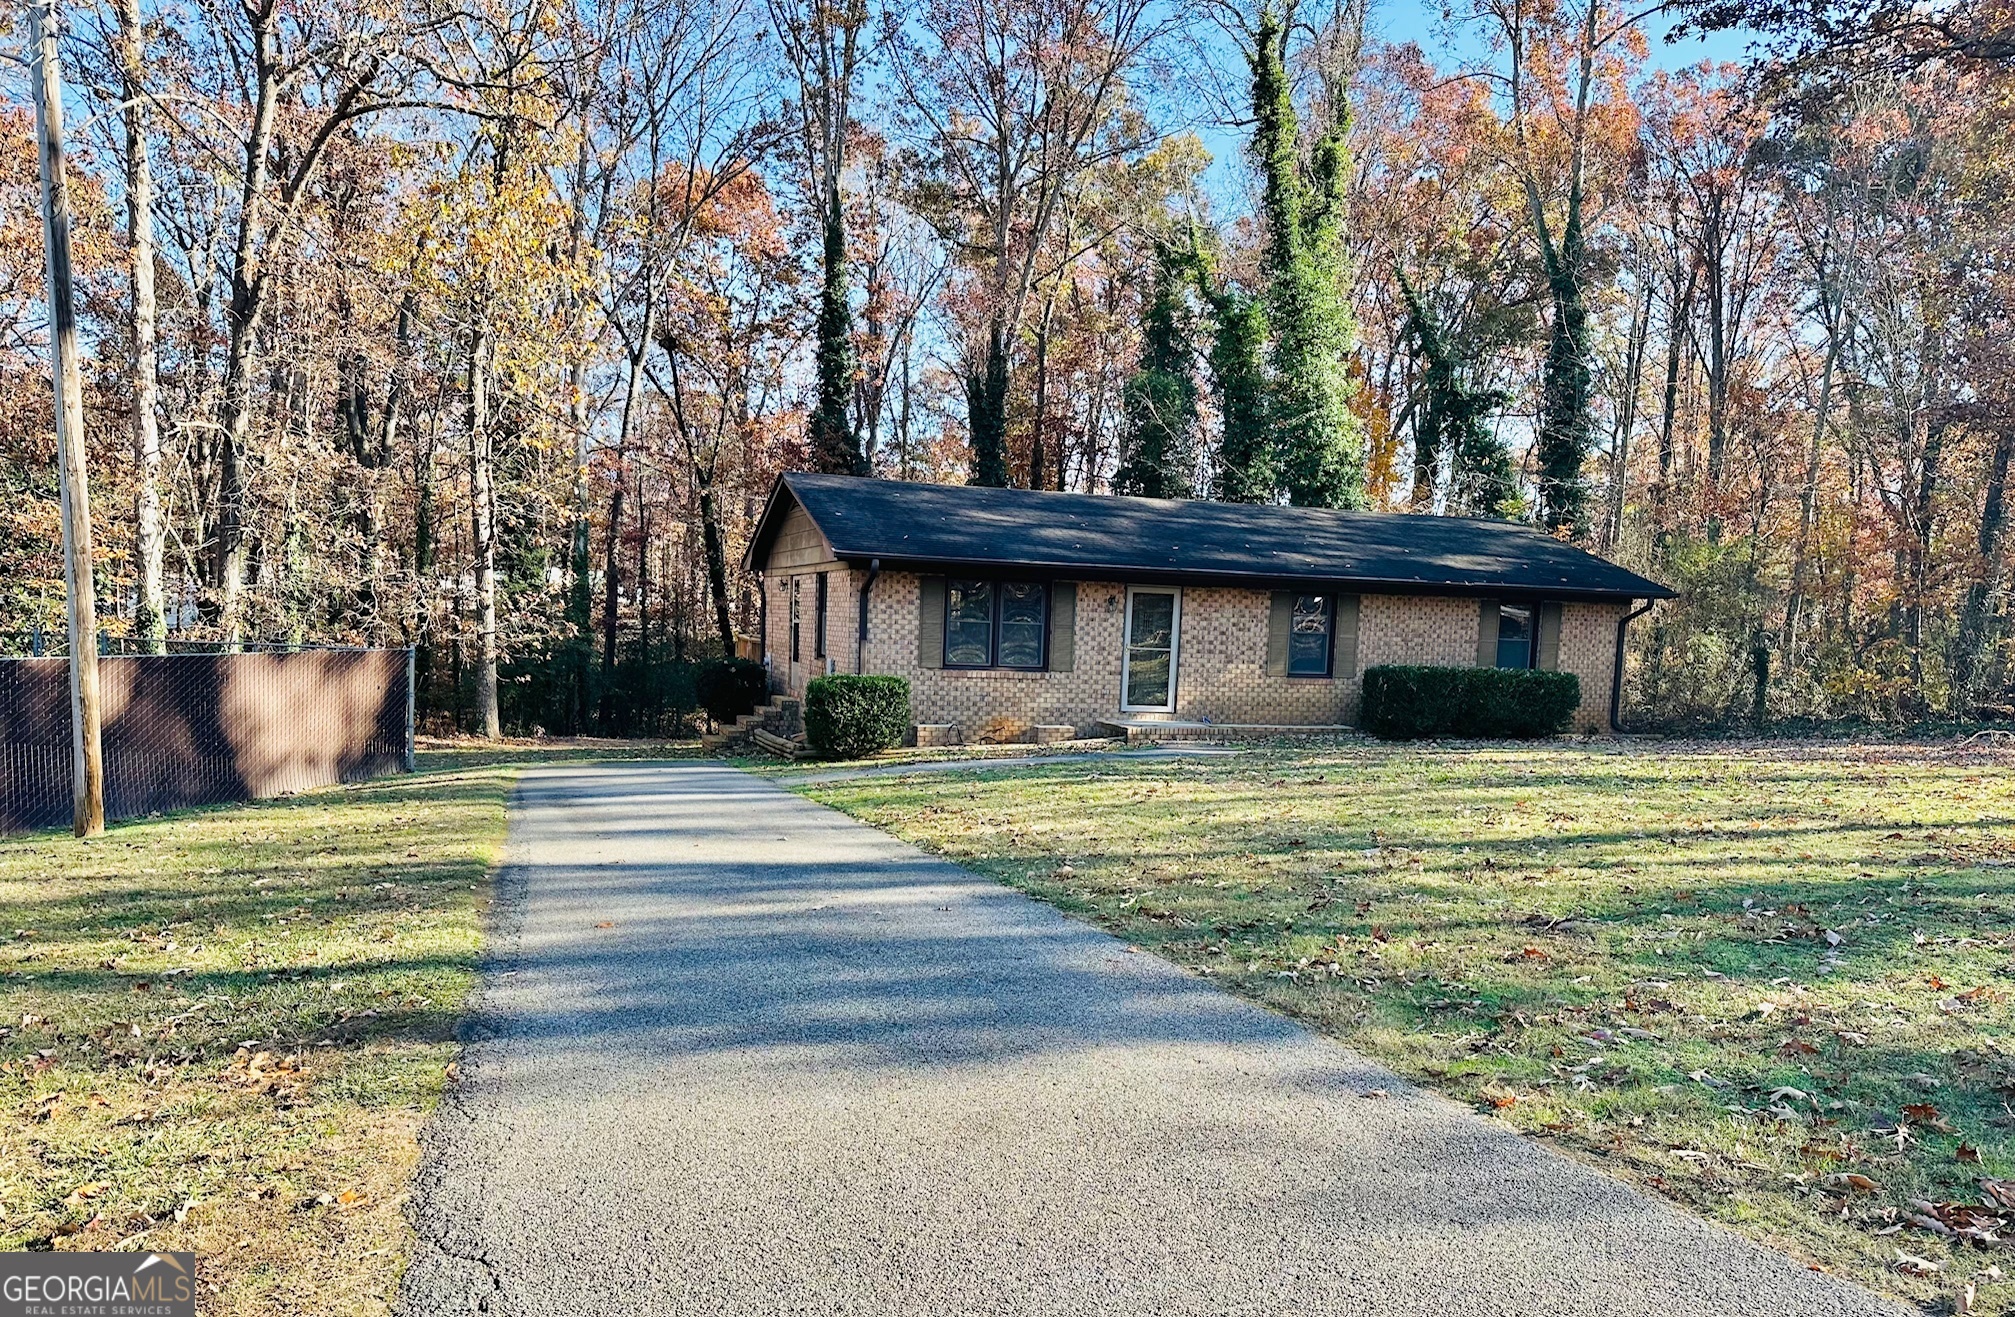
(969, 624)
(1514, 636)
(1024, 615)
(1310, 629)
(996, 624)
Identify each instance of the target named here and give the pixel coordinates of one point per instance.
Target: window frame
(1328, 634)
(1531, 612)
(996, 594)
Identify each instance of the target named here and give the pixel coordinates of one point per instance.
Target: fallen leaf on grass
(1498, 1098)
(1853, 1180)
(1926, 1114)
(1911, 1264)
(1966, 1152)
(1797, 1047)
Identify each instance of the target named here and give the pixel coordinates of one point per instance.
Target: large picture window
(996, 624)
(1310, 629)
(1515, 633)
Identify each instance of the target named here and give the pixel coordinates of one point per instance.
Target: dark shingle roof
(1090, 536)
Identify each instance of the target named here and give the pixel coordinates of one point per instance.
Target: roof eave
(1079, 571)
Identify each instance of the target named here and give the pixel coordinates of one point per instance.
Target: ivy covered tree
(823, 45)
(1318, 441)
(1158, 452)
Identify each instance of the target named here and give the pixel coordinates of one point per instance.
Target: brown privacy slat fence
(203, 729)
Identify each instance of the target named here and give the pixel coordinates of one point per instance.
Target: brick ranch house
(1025, 615)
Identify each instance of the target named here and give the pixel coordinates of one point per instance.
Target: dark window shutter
(1278, 620)
(819, 633)
(1549, 637)
(1344, 646)
(931, 622)
(1486, 634)
(1062, 626)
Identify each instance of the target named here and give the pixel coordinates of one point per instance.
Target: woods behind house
(486, 329)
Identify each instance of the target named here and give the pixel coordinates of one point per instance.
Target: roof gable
(1089, 536)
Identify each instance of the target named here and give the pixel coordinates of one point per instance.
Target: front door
(1153, 633)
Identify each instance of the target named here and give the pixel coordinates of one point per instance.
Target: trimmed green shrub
(1403, 703)
(729, 688)
(850, 717)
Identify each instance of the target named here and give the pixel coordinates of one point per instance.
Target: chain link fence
(195, 728)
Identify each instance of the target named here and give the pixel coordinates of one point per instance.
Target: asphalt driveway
(739, 1054)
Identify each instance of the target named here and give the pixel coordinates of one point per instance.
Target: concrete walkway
(739, 1054)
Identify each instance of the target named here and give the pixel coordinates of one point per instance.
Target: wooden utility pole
(88, 765)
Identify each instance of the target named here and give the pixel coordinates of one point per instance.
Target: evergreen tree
(1245, 467)
(1318, 441)
(1454, 419)
(1158, 448)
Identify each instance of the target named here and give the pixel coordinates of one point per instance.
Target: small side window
(796, 630)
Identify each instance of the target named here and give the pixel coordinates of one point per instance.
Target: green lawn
(221, 1030)
(1768, 982)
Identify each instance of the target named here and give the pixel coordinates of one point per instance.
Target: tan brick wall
(798, 562)
(1220, 664)
(1588, 650)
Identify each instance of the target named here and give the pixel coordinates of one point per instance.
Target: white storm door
(1153, 635)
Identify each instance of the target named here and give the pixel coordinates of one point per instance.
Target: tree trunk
(87, 760)
(717, 566)
(643, 686)
(1977, 613)
(483, 528)
(1808, 504)
(423, 555)
(1039, 429)
(1626, 421)
(150, 620)
(241, 321)
(1675, 338)
(612, 578)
